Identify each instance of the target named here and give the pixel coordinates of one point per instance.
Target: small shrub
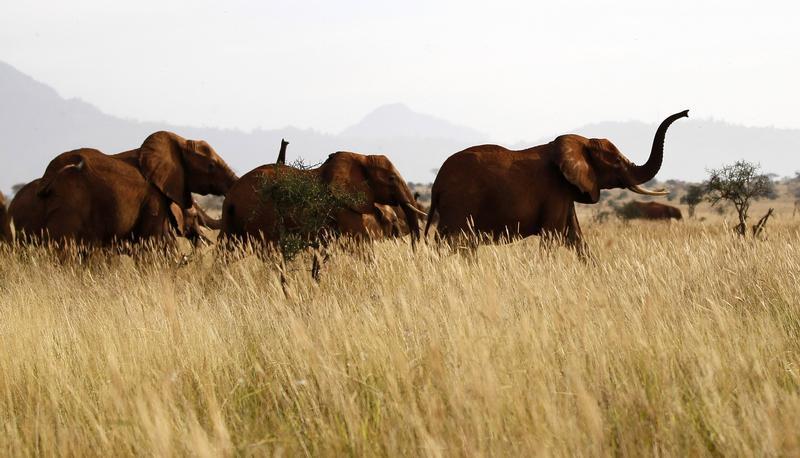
(695, 193)
(304, 206)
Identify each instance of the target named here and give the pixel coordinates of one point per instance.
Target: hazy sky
(515, 70)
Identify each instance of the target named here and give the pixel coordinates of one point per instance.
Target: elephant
(247, 213)
(383, 221)
(94, 198)
(27, 211)
(501, 193)
(654, 210)
(5, 222)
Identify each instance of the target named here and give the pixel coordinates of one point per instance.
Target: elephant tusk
(647, 192)
(415, 210)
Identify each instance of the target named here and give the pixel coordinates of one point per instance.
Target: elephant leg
(153, 220)
(574, 237)
(556, 226)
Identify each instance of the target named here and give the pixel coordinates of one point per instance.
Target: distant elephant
(5, 222)
(655, 210)
(95, 198)
(492, 190)
(246, 212)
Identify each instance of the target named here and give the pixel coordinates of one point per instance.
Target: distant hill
(36, 124)
(399, 121)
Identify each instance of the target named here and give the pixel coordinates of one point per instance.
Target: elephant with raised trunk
(246, 212)
(94, 198)
(491, 190)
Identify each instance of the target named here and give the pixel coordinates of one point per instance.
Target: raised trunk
(646, 172)
(282, 153)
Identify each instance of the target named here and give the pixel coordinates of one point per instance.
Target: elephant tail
(431, 212)
(47, 180)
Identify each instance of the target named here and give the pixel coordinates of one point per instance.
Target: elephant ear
(572, 159)
(161, 163)
(347, 176)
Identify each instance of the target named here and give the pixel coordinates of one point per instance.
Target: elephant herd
(95, 199)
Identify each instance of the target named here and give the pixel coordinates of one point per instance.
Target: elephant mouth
(647, 192)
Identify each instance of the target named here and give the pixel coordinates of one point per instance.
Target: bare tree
(740, 184)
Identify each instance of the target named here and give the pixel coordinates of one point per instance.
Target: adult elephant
(492, 190)
(654, 210)
(5, 222)
(95, 198)
(249, 212)
(27, 211)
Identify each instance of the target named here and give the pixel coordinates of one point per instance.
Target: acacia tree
(740, 183)
(694, 195)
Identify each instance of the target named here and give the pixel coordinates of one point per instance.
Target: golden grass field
(680, 340)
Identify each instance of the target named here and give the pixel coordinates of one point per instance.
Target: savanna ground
(680, 340)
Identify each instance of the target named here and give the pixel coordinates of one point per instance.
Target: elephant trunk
(206, 219)
(412, 220)
(282, 152)
(643, 173)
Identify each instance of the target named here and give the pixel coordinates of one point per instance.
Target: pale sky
(514, 70)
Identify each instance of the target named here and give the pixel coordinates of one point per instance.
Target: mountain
(397, 121)
(36, 124)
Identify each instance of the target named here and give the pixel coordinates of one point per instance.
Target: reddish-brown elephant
(246, 211)
(5, 222)
(27, 211)
(492, 190)
(654, 210)
(383, 221)
(95, 198)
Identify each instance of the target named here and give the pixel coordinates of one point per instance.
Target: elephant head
(374, 179)
(179, 167)
(592, 164)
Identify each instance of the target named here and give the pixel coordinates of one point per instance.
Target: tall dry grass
(680, 340)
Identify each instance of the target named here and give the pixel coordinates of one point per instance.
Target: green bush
(304, 206)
